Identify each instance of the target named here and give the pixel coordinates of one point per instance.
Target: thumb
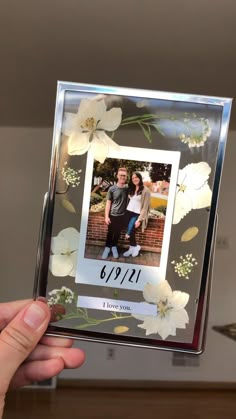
(19, 337)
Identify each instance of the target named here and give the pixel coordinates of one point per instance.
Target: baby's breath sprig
(196, 139)
(71, 176)
(185, 265)
(61, 296)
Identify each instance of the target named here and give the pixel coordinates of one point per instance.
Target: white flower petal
(153, 293)
(60, 265)
(197, 174)
(84, 107)
(194, 175)
(150, 292)
(91, 109)
(154, 325)
(181, 176)
(68, 123)
(183, 205)
(78, 143)
(65, 242)
(173, 327)
(98, 108)
(111, 120)
(71, 236)
(163, 291)
(180, 318)
(201, 198)
(179, 299)
(166, 328)
(150, 324)
(58, 245)
(111, 144)
(99, 148)
(73, 257)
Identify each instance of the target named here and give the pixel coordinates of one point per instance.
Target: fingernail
(43, 299)
(34, 316)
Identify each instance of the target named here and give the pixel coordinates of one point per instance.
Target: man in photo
(116, 204)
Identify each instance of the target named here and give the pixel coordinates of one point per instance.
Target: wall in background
(24, 167)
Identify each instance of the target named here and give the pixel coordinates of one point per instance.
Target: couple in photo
(127, 207)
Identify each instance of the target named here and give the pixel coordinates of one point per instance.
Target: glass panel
(133, 204)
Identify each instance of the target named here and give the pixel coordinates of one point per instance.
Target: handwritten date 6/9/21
(120, 275)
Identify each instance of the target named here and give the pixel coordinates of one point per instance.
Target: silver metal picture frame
(126, 240)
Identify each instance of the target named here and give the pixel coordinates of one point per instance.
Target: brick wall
(150, 240)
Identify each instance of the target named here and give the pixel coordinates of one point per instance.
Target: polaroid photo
(124, 270)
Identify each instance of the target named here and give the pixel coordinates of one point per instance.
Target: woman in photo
(136, 212)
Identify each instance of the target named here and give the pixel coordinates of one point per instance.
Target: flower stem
(92, 321)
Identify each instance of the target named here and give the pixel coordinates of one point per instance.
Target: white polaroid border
(131, 276)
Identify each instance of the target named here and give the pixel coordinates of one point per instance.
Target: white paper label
(117, 305)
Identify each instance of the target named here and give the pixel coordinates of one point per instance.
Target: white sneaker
(106, 252)
(136, 250)
(129, 252)
(115, 252)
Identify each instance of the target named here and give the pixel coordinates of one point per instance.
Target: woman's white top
(134, 204)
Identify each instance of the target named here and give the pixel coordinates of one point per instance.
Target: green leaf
(139, 117)
(147, 132)
(158, 129)
(68, 205)
(149, 115)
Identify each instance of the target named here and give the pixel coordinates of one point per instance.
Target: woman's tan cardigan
(145, 206)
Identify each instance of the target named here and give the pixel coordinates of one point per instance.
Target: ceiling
(173, 45)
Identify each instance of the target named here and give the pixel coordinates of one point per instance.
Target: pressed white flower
(197, 139)
(86, 129)
(64, 248)
(63, 295)
(171, 314)
(193, 191)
